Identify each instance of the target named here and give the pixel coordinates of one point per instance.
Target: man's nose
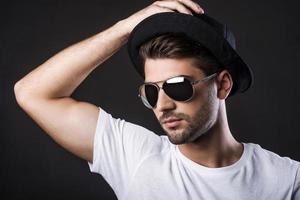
(164, 102)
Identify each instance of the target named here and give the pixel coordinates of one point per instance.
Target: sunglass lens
(151, 94)
(179, 90)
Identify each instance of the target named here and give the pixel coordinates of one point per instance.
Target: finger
(192, 5)
(173, 5)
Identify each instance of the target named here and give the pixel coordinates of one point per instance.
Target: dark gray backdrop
(35, 167)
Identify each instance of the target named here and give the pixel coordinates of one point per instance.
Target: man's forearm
(60, 75)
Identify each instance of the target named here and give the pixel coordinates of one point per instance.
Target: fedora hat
(216, 37)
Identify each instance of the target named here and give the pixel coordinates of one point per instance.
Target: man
(190, 68)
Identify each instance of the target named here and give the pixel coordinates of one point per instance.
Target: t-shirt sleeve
(119, 147)
(296, 195)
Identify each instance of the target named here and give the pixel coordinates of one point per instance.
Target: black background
(35, 167)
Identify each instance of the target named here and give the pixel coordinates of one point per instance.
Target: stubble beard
(194, 127)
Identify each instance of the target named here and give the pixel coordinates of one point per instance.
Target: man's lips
(171, 122)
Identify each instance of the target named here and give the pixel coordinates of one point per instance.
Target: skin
(199, 127)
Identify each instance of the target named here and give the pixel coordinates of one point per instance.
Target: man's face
(183, 122)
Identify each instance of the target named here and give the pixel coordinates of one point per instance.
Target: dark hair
(178, 45)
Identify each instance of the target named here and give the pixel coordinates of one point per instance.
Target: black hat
(216, 37)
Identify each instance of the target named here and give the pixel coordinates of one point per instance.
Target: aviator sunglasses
(179, 88)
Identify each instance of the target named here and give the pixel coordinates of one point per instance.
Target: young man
(190, 67)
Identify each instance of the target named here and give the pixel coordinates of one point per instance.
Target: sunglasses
(179, 88)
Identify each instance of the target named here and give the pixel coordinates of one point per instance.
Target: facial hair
(195, 126)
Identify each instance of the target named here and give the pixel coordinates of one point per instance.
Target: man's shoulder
(264, 157)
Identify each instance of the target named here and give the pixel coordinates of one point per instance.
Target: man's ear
(225, 83)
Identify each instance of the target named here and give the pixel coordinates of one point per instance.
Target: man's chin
(176, 136)
(180, 136)
(175, 141)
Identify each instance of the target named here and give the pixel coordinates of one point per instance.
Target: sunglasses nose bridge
(164, 102)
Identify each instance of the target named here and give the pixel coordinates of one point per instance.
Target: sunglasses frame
(147, 104)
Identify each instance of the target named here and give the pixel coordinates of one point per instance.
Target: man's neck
(216, 148)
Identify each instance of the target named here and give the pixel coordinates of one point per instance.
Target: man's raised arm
(45, 92)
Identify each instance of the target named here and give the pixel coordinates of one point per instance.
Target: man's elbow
(21, 95)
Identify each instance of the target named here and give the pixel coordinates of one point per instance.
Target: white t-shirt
(139, 164)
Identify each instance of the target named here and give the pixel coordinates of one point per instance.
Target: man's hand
(182, 6)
